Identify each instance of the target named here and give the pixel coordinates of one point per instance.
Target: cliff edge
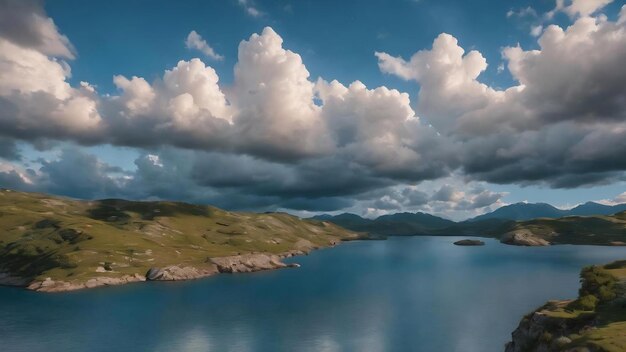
(594, 322)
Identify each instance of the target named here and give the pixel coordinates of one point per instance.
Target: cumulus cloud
(277, 138)
(269, 112)
(186, 107)
(35, 98)
(575, 8)
(555, 126)
(26, 24)
(195, 41)
(275, 98)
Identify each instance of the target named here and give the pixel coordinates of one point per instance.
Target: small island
(469, 242)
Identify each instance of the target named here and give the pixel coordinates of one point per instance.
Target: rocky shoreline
(594, 322)
(245, 263)
(523, 238)
(541, 331)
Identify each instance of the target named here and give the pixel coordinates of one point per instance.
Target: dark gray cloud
(80, 175)
(25, 23)
(9, 149)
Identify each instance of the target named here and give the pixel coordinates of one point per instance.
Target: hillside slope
(50, 243)
(523, 211)
(399, 224)
(529, 211)
(589, 230)
(594, 230)
(596, 321)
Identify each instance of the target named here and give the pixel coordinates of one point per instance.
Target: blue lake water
(403, 294)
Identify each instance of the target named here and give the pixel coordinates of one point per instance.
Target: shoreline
(594, 321)
(236, 264)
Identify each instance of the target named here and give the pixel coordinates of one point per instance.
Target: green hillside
(74, 241)
(595, 230)
(595, 321)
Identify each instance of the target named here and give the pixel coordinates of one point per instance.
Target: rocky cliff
(595, 322)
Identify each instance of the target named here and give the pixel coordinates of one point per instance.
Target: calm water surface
(404, 294)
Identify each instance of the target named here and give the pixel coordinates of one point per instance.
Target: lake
(403, 294)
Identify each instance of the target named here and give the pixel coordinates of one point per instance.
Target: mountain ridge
(517, 211)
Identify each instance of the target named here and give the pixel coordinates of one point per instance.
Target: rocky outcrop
(541, 331)
(176, 273)
(247, 263)
(244, 263)
(523, 238)
(469, 243)
(49, 285)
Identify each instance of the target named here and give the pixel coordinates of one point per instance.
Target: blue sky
(336, 40)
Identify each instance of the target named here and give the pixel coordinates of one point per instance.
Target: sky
(454, 108)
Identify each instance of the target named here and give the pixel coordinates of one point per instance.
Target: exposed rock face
(49, 285)
(234, 264)
(175, 273)
(248, 263)
(523, 238)
(542, 332)
(469, 243)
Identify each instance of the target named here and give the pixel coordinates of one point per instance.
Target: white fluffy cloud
(37, 101)
(448, 78)
(575, 8)
(275, 134)
(195, 41)
(278, 137)
(275, 98)
(185, 108)
(555, 126)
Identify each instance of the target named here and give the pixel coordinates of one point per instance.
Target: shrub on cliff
(586, 303)
(597, 282)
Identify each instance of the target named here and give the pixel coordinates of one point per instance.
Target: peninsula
(595, 321)
(53, 244)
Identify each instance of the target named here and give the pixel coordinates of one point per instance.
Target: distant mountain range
(491, 223)
(394, 224)
(529, 211)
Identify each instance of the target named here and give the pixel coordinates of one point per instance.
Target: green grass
(607, 284)
(43, 236)
(591, 230)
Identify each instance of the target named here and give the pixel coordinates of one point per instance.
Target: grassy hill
(523, 211)
(595, 230)
(67, 240)
(529, 211)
